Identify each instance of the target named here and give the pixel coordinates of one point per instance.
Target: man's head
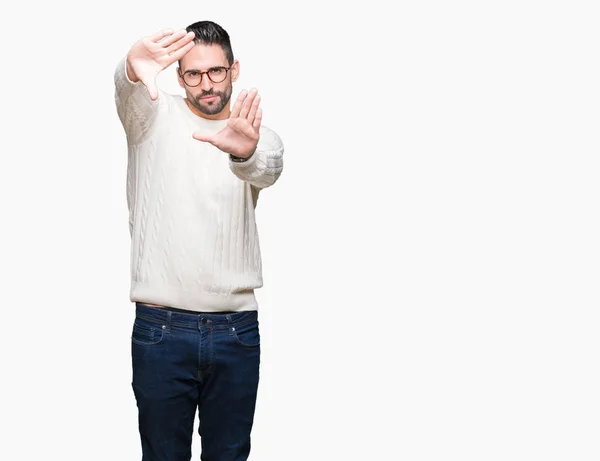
(208, 70)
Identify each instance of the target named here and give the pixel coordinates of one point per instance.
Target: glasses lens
(192, 78)
(217, 75)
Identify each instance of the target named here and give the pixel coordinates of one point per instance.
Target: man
(195, 170)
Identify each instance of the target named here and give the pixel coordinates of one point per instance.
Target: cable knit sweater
(194, 240)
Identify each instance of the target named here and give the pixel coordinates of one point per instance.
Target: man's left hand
(240, 137)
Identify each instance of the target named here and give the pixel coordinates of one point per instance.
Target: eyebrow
(211, 68)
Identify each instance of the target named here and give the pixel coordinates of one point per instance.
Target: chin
(210, 110)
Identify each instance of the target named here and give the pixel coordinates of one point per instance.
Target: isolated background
(431, 256)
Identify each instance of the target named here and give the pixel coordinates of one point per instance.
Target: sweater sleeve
(136, 110)
(264, 166)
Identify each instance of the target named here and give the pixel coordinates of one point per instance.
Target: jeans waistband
(193, 319)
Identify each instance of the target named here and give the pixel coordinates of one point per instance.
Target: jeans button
(203, 321)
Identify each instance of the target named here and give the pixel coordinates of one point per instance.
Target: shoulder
(174, 102)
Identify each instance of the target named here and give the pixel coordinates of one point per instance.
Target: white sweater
(194, 240)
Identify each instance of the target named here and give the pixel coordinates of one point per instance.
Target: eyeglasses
(194, 77)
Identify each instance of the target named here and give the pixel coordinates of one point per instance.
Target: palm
(150, 55)
(144, 63)
(240, 135)
(237, 138)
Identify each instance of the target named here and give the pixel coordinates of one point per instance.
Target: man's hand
(240, 137)
(150, 55)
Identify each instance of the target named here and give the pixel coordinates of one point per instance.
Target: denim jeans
(183, 362)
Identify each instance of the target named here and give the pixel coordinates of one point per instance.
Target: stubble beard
(213, 107)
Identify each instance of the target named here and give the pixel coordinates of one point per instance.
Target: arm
(136, 92)
(262, 168)
(136, 110)
(255, 152)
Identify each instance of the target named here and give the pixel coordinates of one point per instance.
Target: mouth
(208, 98)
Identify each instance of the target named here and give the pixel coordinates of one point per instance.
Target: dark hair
(210, 33)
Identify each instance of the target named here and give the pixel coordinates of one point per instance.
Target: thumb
(152, 89)
(202, 136)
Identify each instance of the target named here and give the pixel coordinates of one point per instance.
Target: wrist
(131, 75)
(241, 159)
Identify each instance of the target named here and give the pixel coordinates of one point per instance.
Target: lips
(208, 98)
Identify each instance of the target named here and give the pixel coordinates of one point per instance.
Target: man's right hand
(150, 55)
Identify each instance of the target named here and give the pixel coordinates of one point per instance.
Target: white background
(431, 252)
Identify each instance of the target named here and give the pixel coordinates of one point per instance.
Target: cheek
(227, 88)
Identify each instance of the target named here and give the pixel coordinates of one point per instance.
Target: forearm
(136, 110)
(265, 165)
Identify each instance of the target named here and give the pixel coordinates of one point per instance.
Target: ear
(235, 70)
(179, 79)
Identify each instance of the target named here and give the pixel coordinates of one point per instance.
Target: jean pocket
(247, 334)
(145, 335)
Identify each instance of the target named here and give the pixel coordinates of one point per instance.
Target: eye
(217, 71)
(193, 73)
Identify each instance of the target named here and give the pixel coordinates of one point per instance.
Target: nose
(206, 84)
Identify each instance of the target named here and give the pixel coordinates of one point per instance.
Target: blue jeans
(188, 361)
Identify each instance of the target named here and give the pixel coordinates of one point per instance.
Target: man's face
(209, 98)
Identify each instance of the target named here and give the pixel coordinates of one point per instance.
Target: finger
(181, 52)
(152, 88)
(253, 109)
(257, 120)
(180, 42)
(170, 39)
(202, 136)
(159, 35)
(248, 103)
(235, 112)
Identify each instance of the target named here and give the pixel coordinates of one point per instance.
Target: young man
(195, 170)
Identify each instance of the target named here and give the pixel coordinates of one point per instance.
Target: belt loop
(168, 322)
(228, 318)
